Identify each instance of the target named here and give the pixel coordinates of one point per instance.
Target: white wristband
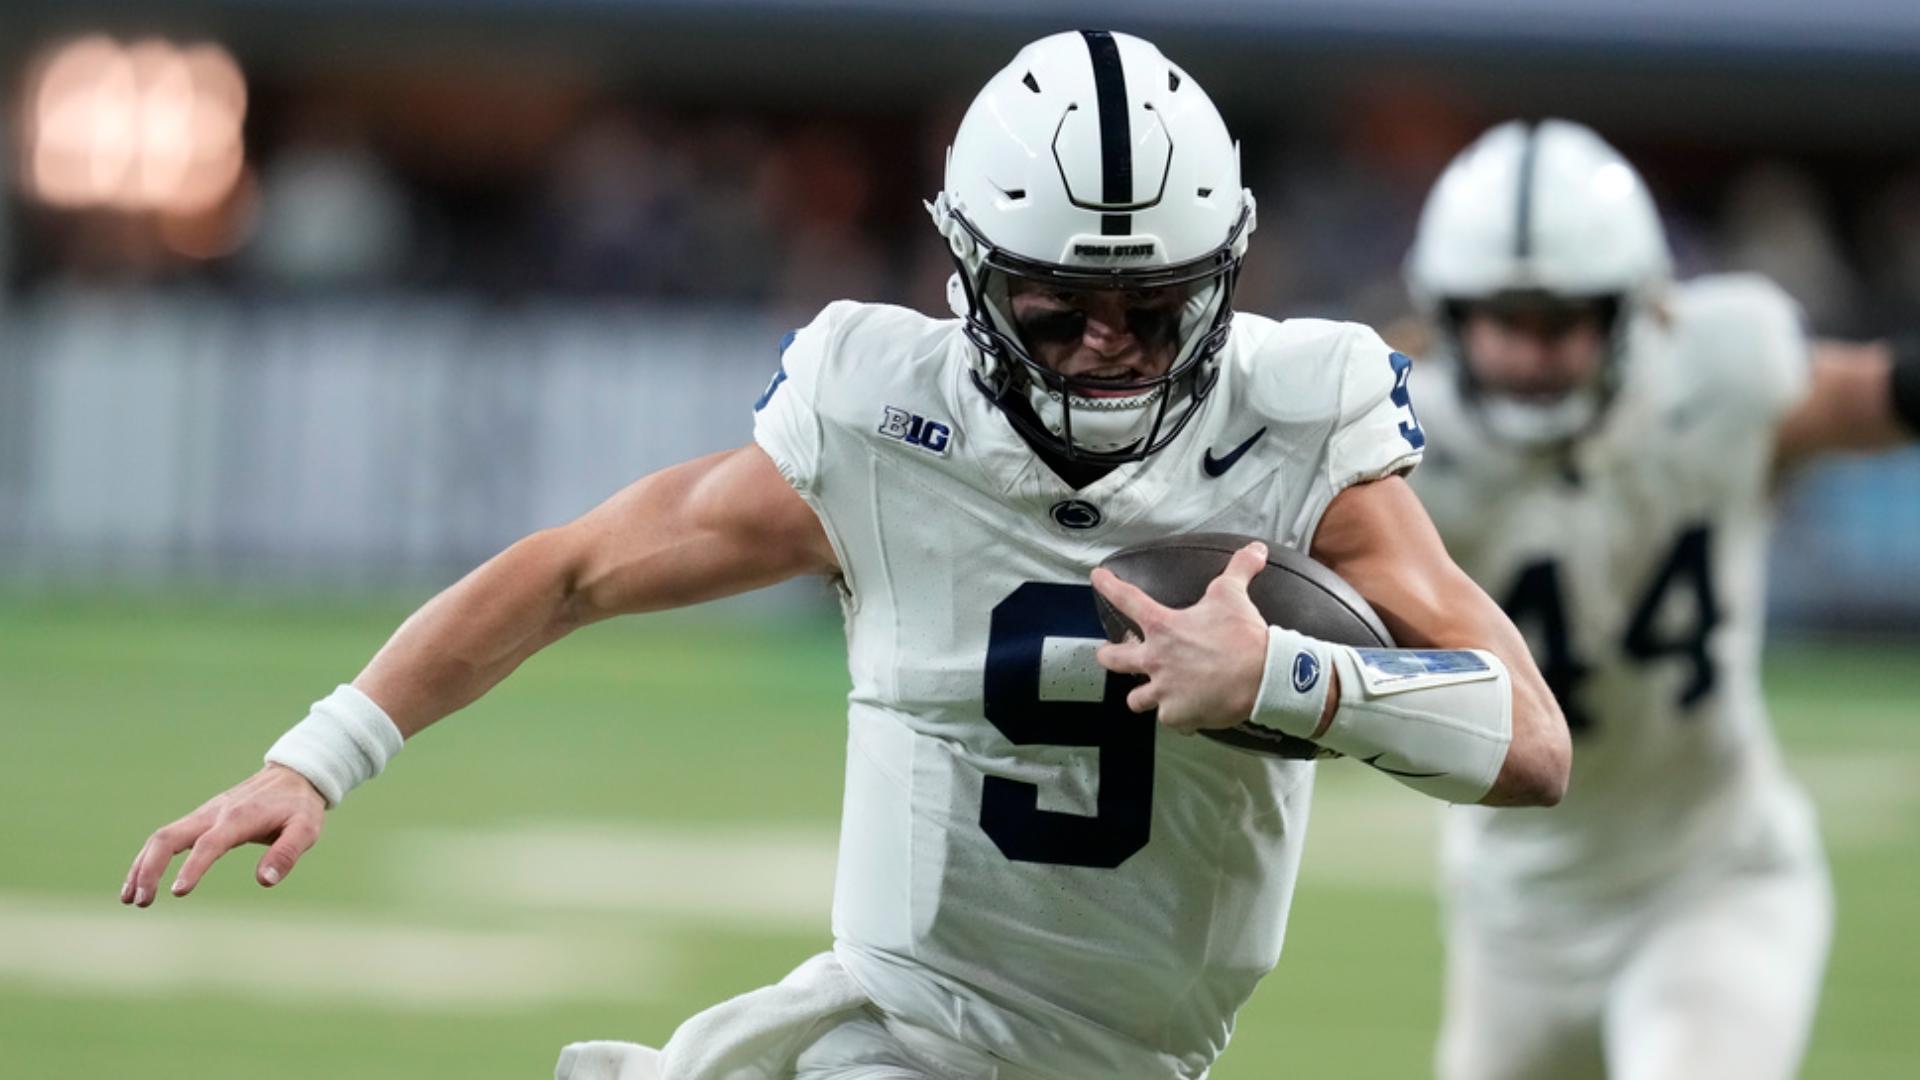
(1293, 688)
(345, 741)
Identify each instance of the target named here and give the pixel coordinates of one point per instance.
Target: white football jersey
(1635, 566)
(1026, 866)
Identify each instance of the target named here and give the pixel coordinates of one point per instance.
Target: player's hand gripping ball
(1292, 591)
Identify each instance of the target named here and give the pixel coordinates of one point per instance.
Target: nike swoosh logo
(1218, 466)
(1375, 762)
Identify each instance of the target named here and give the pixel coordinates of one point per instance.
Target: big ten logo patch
(915, 430)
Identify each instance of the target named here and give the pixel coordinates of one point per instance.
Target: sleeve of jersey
(1780, 359)
(786, 418)
(1377, 433)
(1751, 338)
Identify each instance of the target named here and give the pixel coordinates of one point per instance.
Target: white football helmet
(1091, 161)
(1545, 212)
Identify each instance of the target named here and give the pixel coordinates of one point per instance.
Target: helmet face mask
(1548, 230)
(1537, 368)
(1178, 318)
(1092, 176)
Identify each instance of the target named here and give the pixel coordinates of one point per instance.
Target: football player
(1036, 877)
(1610, 441)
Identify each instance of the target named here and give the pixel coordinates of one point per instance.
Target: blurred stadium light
(148, 126)
(426, 275)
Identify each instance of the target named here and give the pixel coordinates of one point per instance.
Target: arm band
(1438, 721)
(1906, 381)
(345, 741)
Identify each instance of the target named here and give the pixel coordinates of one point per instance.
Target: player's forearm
(1443, 609)
(464, 641)
(1862, 398)
(1540, 755)
(1450, 717)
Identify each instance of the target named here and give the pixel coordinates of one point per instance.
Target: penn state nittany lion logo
(1076, 514)
(1306, 672)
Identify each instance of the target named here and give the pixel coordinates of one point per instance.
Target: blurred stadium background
(309, 305)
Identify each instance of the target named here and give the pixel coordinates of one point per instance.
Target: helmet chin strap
(957, 295)
(1104, 425)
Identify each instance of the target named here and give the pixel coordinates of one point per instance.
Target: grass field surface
(639, 824)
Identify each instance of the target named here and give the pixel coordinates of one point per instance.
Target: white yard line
(1365, 831)
(755, 876)
(651, 879)
(92, 944)
(1864, 800)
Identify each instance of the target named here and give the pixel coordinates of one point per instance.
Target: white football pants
(1718, 981)
(816, 1024)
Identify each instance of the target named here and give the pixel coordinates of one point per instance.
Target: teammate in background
(1610, 440)
(1035, 879)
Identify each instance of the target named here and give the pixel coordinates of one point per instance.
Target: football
(1293, 591)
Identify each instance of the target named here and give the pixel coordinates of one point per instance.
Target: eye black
(1153, 326)
(1054, 328)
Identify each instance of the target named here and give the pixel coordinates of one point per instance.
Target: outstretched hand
(275, 806)
(1202, 663)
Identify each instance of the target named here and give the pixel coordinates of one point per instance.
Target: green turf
(118, 714)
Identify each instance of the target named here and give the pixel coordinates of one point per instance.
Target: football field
(639, 824)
